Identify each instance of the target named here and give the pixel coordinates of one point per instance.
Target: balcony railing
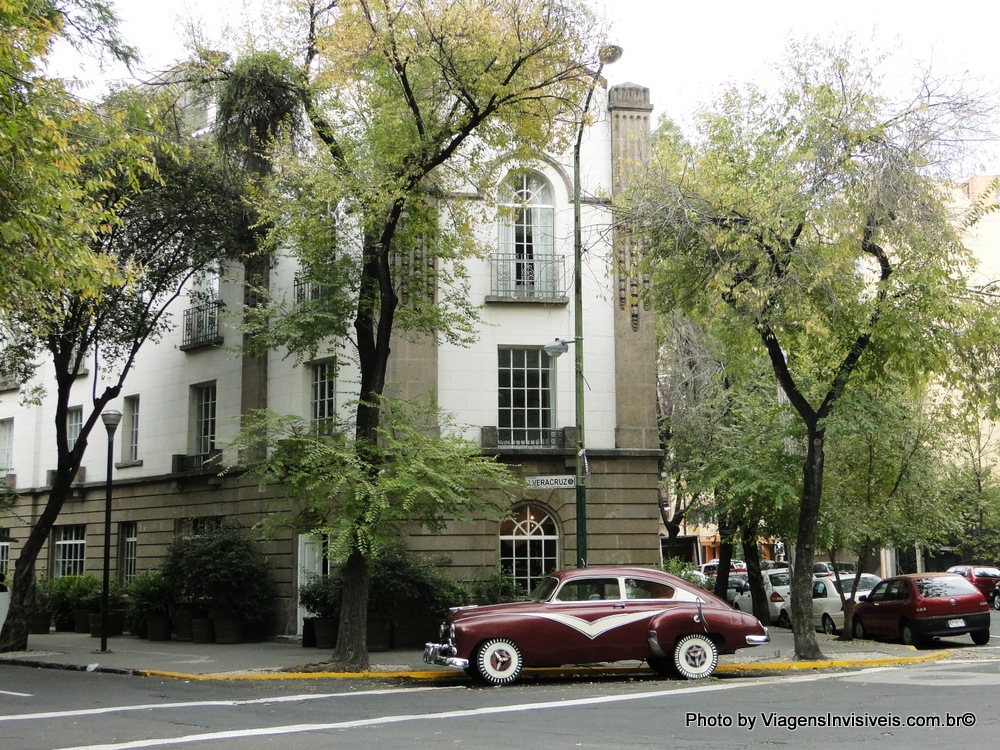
(523, 437)
(517, 277)
(201, 325)
(304, 289)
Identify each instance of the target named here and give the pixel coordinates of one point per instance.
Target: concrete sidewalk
(285, 658)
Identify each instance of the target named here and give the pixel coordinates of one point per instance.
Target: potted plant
(226, 574)
(40, 618)
(320, 597)
(408, 597)
(148, 609)
(116, 610)
(72, 598)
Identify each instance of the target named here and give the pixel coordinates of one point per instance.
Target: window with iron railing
(201, 325)
(525, 265)
(69, 550)
(323, 397)
(517, 277)
(304, 290)
(128, 546)
(525, 398)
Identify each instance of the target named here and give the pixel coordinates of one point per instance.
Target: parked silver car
(776, 587)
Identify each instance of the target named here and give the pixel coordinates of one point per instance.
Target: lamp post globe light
(608, 54)
(111, 421)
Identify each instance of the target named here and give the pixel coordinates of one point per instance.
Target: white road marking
(17, 695)
(493, 710)
(196, 704)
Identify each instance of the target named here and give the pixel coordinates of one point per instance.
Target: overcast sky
(683, 51)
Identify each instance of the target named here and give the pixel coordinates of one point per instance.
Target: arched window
(529, 545)
(526, 228)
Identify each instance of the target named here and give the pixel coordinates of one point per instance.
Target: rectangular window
(128, 540)
(69, 550)
(5, 553)
(323, 397)
(74, 423)
(204, 419)
(524, 397)
(6, 446)
(130, 435)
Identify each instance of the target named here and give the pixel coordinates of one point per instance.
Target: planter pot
(158, 627)
(228, 627)
(325, 629)
(39, 622)
(202, 630)
(379, 632)
(81, 620)
(414, 629)
(116, 623)
(183, 616)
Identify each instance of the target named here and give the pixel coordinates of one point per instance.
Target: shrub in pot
(148, 609)
(320, 596)
(40, 617)
(225, 573)
(411, 595)
(69, 595)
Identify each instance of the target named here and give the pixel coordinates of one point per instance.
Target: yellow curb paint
(568, 671)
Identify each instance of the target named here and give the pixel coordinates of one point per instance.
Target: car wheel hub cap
(696, 656)
(500, 660)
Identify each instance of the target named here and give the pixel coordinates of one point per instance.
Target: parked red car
(983, 578)
(920, 606)
(598, 614)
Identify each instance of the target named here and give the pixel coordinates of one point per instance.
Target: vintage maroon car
(589, 615)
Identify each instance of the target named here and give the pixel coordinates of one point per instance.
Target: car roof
(607, 570)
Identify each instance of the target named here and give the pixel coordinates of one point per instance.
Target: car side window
(878, 593)
(819, 590)
(586, 589)
(637, 588)
(897, 591)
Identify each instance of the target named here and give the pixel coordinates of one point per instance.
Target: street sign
(554, 482)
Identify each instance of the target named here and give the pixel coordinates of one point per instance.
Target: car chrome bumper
(443, 655)
(759, 640)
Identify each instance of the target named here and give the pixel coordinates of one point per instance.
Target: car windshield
(944, 586)
(544, 590)
(986, 572)
(779, 577)
(865, 583)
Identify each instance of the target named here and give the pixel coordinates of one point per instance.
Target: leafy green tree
(889, 459)
(167, 225)
(813, 219)
(47, 156)
(405, 103)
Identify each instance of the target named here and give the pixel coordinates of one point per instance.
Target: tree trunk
(351, 651)
(751, 555)
(14, 636)
(803, 631)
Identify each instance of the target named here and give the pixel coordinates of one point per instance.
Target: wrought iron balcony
(515, 277)
(201, 325)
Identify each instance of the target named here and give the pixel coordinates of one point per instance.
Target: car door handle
(620, 605)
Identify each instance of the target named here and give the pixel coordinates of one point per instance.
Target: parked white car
(828, 609)
(776, 588)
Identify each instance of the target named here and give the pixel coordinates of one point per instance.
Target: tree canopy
(408, 105)
(47, 153)
(815, 218)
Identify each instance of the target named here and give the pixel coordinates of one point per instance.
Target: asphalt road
(44, 709)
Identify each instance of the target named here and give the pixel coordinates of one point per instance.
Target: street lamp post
(608, 54)
(111, 420)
